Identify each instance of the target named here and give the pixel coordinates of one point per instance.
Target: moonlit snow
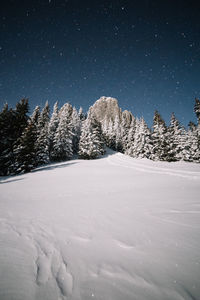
(114, 228)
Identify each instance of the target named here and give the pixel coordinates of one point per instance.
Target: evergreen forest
(29, 140)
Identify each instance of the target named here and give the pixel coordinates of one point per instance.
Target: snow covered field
(113, 228)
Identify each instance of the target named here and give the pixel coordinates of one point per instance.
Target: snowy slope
(113, 228)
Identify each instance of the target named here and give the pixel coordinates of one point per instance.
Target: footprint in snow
(43, 269)
(64, 281)
(50, 264)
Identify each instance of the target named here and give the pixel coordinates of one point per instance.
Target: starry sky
(144, 53)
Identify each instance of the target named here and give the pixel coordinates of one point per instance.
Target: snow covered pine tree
(91, 143)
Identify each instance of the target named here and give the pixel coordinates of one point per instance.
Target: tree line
(30, 141)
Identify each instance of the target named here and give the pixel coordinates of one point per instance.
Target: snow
(112, 228)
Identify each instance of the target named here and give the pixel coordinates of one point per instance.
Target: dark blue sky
(144, 53)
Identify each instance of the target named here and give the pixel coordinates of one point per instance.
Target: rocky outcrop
(128, 116)
(106, 108)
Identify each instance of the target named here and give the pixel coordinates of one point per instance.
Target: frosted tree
(159, 139)
(194, 142)
(35, 115)
(105, 130)
(53, 125)
(42, 142)
(76, 129)
(7, 122)
(25, 156)
(24, 150)
(192, 126)
(91, 143)
(185, 153)
(194, 145)
(141, 146)
(144, 140)
(81, 115)
(174, 139)
(21, 115)
(117, 134)
(63, 147)
(12, 124)
(97, 132)
(110, 135)
(193, 136)
(131, 137)
(197, 131)
(43, 119)
(197, 109)
(125, 127)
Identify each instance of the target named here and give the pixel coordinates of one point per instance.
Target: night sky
(144, 53)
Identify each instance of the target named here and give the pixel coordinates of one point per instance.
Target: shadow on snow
(6, 179)
(52, 167)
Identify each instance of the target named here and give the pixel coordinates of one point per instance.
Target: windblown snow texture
(112, 228)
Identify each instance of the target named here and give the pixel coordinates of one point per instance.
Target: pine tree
(194, 146)
(63, 147)
(117, 134)
(197, 109)
(198, 138)
(76, 129)
(42, 142)
(91, 143)
(43, 118)
(159, 138)
(53, 125)
(81, 115)
(25, 157)
(192, 126)
(125, 127)
(110, 137)
(174, 138)
(141, 146)
(105, 131)
(197, 129)
(97, 132)
(7, 122)
(193, 137)
(25, 149)
(35, 115)
(184, 146)
(12, 124)
(131, 138)
(21, 117)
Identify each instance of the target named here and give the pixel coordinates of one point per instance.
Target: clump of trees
(28, 141)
